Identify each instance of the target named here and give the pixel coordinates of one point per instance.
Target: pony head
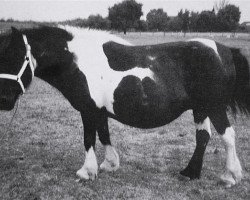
(16, 67)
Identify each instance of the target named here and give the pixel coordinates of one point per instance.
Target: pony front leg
(111, 161)
(90, 167)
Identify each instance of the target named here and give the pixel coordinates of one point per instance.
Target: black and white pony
(143, 86)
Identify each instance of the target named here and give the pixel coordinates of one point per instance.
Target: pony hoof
(228, 180)
(109, 166)
(190, 173)
(86, 174)
(238, 176)
(231, 178)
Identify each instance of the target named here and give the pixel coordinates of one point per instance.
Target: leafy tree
(220, 5)
(228, 18)
(82, 23)
(157, 20)
(174, 24)
(98, 22)
(184, 17)
(194, 16)
(124, 15)
(141, 25)
(10, 20)
(206, 21)
(76, 22)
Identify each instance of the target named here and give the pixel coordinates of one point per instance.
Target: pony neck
(72, 84)
(55, 64)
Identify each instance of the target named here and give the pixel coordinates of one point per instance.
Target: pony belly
(145, 104)
(147, 117)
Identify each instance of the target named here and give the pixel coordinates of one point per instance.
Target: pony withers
(148, 86)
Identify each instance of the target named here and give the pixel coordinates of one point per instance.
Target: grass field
(43, 148)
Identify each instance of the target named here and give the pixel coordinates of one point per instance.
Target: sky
(59, 10)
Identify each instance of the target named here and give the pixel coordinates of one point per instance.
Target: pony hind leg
(111, 161)
(90, 167)
(233, 171)
(203, 134)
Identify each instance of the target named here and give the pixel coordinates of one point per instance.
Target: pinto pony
(148, 86)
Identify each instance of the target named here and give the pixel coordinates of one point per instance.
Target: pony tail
(241, 96)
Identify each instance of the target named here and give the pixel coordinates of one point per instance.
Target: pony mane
(44, 32)
(3, 41)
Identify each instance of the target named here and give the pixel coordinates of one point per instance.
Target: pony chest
(101, 86)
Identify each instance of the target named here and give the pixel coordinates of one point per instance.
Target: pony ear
(14, 30)
(15, 34)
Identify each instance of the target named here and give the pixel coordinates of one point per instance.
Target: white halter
(27, 60)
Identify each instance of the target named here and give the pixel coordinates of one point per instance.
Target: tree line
(124, 16)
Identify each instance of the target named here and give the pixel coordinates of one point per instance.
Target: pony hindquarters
(241, 95)
(240, 99)
(219, 88)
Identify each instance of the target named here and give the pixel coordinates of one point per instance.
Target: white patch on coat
(152, 58)
(207, 42)
(233, 172)
(111, 161)
(91, 60)
(90, 167)
(205, 125)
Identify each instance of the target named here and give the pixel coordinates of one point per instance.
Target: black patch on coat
(144, 103)
(193, 170)
(123, 58)
(129, 97)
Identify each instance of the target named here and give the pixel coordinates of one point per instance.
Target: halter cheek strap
(27, 60)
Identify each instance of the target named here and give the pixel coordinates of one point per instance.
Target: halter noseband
(27, 60)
